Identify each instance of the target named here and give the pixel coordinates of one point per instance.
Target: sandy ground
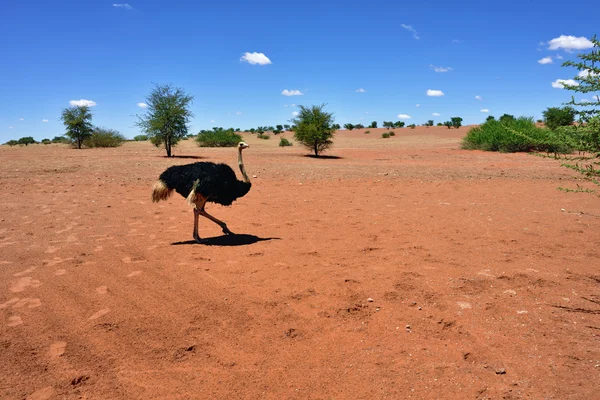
(403, 268)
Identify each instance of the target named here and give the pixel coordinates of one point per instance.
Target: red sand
(483, 276)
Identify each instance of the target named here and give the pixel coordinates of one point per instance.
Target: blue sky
(54, 52)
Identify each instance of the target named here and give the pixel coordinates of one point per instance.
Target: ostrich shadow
(184, 157)
(228, 240)
(321, 157)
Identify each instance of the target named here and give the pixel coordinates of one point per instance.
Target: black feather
(217, 182)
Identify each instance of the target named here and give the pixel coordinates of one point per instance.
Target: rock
(407, 327)
(500, 371)
(370, 300)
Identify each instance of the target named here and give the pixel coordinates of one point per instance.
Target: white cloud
(293, 105)
(434, 93)
(484, 110)
(11, 127)
(295, 113)
(478, 98)
(292, 93)
(570, 43)
(404, 116)
(360, 90)
(238, 113)
(212, 120)
(558, 84)
(559, 57)
(410, 28)
(142, 105)
(82, 102)
(21, 119)
(44, 120)
(255, 58)
(417, 105)
(456, 41)
(546, 60)
(436, 114)
(440, 69)
(586, 73)
(124, 6)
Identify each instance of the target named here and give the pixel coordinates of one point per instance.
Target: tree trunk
(316, 150)
(168, 146)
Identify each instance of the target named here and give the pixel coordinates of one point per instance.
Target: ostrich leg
(200, 202)
(222, 224)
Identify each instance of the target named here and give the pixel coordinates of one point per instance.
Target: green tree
(456, 122)
(12, 143)
(373, 124)
(399, 124)
(46, 141)
(287, 127)
(314, 128)
(448, 124)
(588, 80)
(167, 116)
(507, 117)
(279, 127)
(440, 124)
(359, 126)
(490, 118)
(27, 140)
(388, 124)
(558, 116)
(429, 123)
(337, 127)
(349, 126)
(78, 122)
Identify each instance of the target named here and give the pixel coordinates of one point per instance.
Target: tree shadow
(324, 157)
(227, 240)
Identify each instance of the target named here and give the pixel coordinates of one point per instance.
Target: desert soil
(400, 268)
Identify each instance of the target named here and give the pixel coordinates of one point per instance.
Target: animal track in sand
(134, 273)
(24, 283)
(5, 262)
(42, 394)
(30, 303)
(56, 260)
(15, 320)
(101, 289)
(60, 272)
(51, 249)
(128, 260)
(57, 349)
(9, 303)
(100, 313)
(28, 270)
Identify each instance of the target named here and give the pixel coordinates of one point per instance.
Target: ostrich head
(243, 145)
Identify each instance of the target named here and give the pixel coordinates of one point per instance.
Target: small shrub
(385, 135)
(27, 140)
(555, 117)
(283, 142)
(61, 139)
(12, 143)
(392, 133)
(102, 137)
(514, 135)
(412, 126)
(367, 132)
(440, 124)
(46, 141)
(218, 137)
(140, 138)
(263, 136)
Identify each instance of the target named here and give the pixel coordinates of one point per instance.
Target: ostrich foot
(227, 231)
(198, 239)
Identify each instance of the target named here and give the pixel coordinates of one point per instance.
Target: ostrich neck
(241, 164)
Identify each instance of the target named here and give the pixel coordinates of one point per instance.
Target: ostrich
(203, 182)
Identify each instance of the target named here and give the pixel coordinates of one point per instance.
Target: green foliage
(588, 81)
(167, 116)
(412, 126)
(555, 117)
(46, 141)
(348, 126)
(283, 142)
(399, 124)
(456, 122)
(61, 139)
(385, 135)
(12, 143)
(429, 123)
(102, 137)
(140, 138)
(516, 135)
(252, 130)
(78, 122)
(490, 118)
(263, 136)
(27, 140)
(287, 127)
(359, 126)
(373, 124)
(392, 133)
(507, 118)
(314, 128)
(448, 124)
(261, 129)
(279, 128)
(218, 137)
(440, 124)
(367, 132)
(388, 124)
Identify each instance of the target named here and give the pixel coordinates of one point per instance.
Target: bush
(359, 126)
(11, 143)
(555, 117)
(61, 139)
(367, 132)
(412, 126)
(456, 122)
(516, 135)
(373, 124)
(385, 135)
(283, 142)
(314, 128)
(46, 141)
(263, 136)
(392, 133)
(140, 138)
(27, 140)
(102, 137)
(349, 126)
(218, 137)
(399, 124)
(440, 124)
(507, 117)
